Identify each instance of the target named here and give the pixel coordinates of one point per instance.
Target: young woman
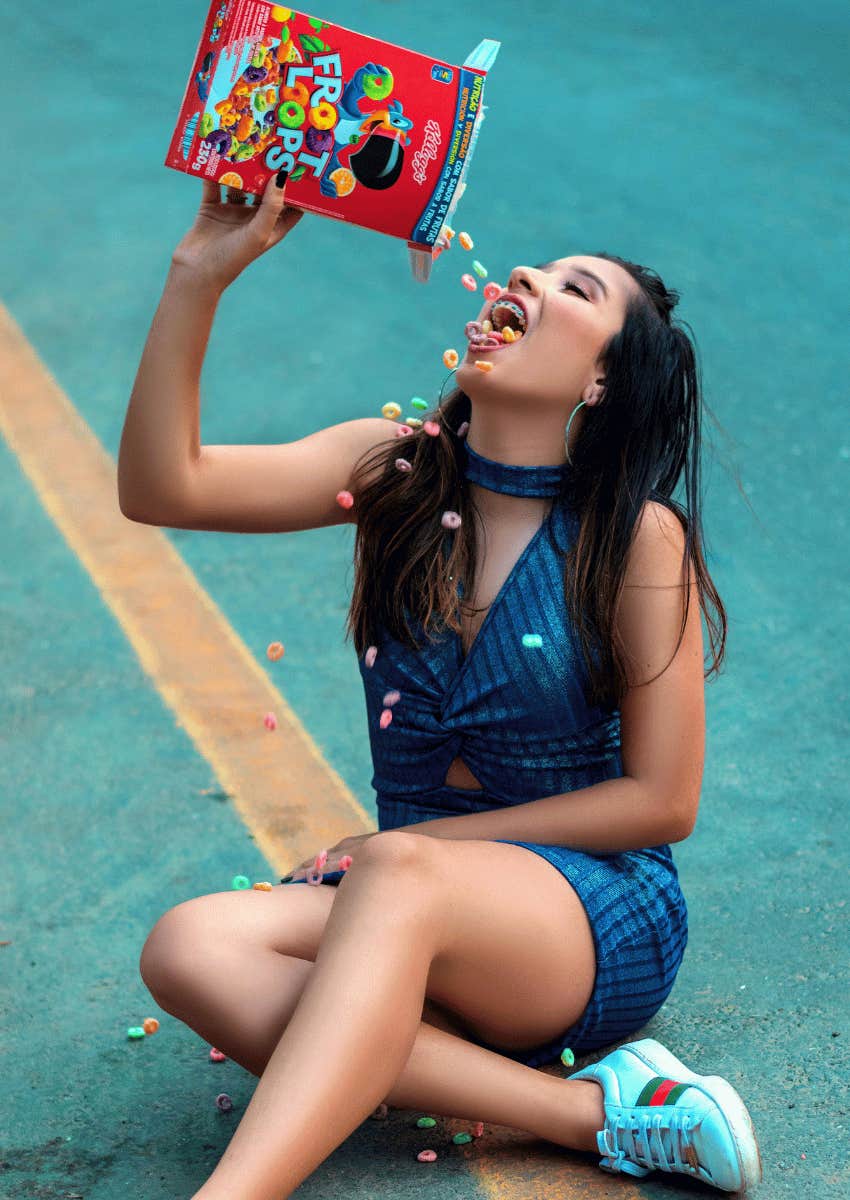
(547, 661)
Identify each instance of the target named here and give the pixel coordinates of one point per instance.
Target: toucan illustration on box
(203, 77)
(380, 135)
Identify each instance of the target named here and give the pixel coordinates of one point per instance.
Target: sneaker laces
(660, 1140)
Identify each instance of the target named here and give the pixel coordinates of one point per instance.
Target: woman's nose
(523, 277)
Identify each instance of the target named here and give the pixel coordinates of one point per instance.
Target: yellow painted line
(510, 1165)
(286, 793)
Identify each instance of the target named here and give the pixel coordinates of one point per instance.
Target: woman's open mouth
(505, 326)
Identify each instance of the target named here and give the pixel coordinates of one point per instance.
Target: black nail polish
(281, 178)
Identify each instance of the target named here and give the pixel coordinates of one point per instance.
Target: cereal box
(370, 132)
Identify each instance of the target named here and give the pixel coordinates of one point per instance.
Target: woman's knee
(170, 953)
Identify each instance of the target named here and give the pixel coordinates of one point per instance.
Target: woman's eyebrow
(581, 271)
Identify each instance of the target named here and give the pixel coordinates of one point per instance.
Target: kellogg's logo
(427, 152)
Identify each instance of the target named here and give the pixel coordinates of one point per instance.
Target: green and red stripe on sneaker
(661, 1091)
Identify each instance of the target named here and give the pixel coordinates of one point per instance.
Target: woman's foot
(661, 1116)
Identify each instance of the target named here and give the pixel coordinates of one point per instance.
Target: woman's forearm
(607, 818)
(161, 439)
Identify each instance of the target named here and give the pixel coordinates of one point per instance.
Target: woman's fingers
(211, 192)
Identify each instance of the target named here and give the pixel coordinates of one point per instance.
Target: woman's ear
(594, 392)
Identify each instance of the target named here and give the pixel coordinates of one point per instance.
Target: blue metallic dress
(515, 712)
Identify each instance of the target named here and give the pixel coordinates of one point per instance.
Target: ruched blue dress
(515, 712)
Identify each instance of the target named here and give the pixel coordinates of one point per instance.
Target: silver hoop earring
(567, 432)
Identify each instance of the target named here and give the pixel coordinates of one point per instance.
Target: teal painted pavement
(707, 141)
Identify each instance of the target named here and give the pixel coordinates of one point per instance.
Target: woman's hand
(229, 234)
(347, 848)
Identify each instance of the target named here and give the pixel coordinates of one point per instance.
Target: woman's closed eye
(577, 288)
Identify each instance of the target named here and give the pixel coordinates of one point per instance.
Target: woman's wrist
(193, 279)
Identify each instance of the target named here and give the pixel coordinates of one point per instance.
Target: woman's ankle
(585, 1104)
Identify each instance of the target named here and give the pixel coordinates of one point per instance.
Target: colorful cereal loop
(465, 241)
(298, 92)
(391, 410)
(479, 269)
(290, 114)
(323, 116)
(450, 358)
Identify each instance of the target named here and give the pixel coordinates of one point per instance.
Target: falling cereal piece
(517, 334)
(427, 1155)
(239, 883)
(345, 499)
(150, 1025)
(472, 328)
(465, 241)
(391, 410)
(532, 640)
(508, 334)
(460, 1139)
(425, 1123)
(270, 721)
(403, 431)
(135, 1032)
(345, 862)
(450, 520)
(371, 655)
(380, 1113)
(418, 402)
(386, 717)
(469, 283)
(262, 887)
(463, 429)
(483, 366)
(223, 1102)
(448, 231)
(432, 428)
(403, 465)
(567, 1057)
(415, 422)
(479, 269)
(274, 651)
(216, 1055)
(486, 326)
(478, 1129)
(450, 358)
(492, 291)
(391, 698)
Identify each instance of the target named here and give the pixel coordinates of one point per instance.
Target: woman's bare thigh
(289, 919)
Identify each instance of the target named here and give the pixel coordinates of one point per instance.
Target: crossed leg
(480, 935)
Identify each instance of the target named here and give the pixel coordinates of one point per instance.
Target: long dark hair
(633, 447)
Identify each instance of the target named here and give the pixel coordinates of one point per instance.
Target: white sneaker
(661, 1116)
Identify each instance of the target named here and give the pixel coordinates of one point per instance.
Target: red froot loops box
(370, 132)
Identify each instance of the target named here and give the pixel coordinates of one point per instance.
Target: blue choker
(512, 480)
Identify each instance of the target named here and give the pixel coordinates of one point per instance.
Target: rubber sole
(659, 1059)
